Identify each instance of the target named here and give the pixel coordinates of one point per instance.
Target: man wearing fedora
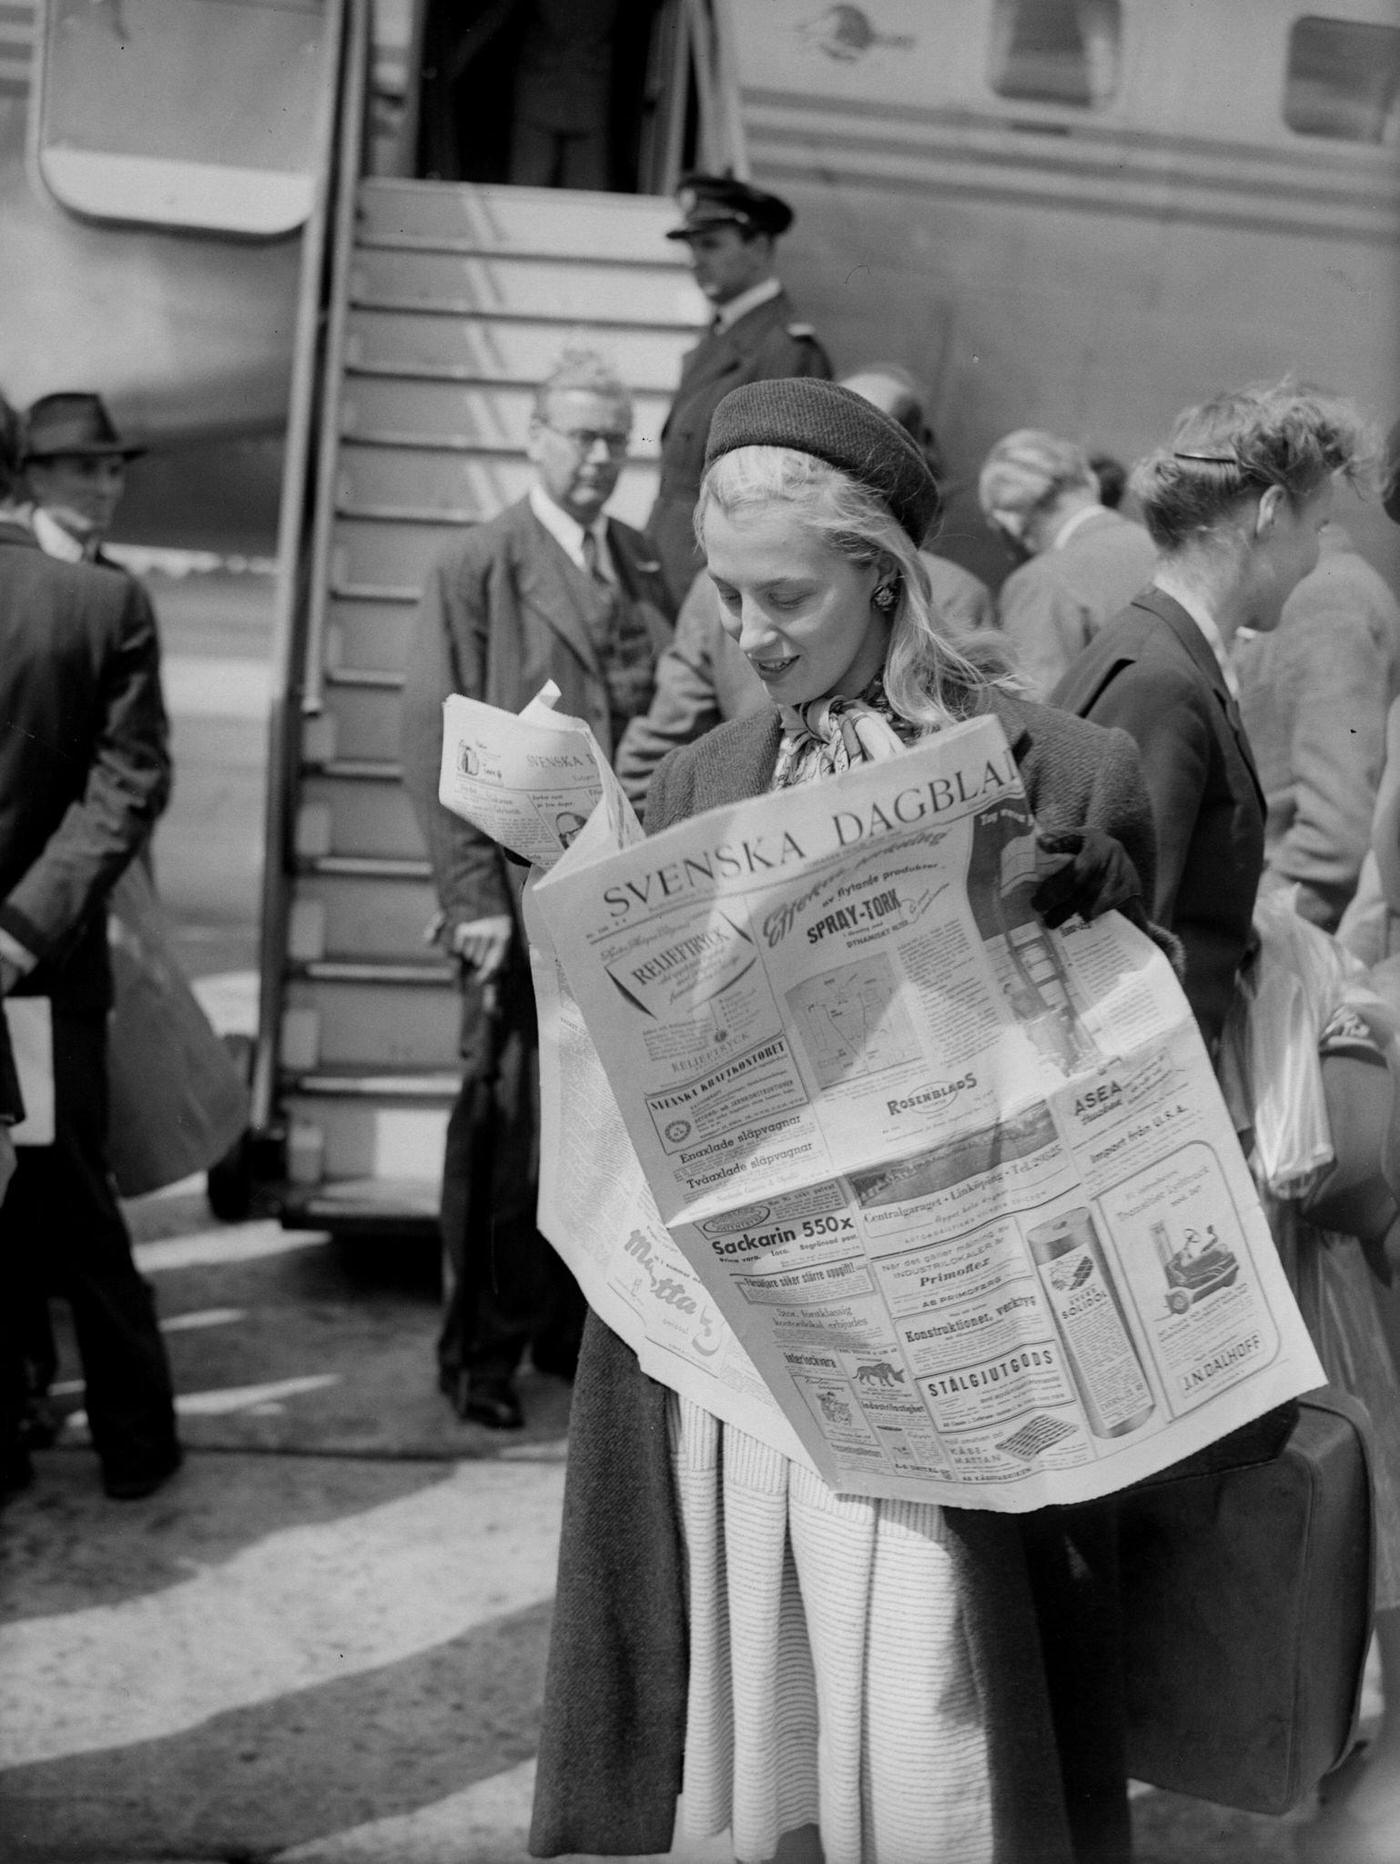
(75, 462)
(84, 772)
(730, 230)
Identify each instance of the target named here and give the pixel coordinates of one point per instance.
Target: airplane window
(186, 113)
(1343, 80)
(1056, 51)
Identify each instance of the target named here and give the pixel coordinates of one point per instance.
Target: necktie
(591, 559)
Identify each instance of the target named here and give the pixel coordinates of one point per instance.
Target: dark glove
(1088, 872)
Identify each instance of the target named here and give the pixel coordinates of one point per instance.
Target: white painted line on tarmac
(215, 686)
(301, 1608)
(241, 1242)
(205, 1317)
(231, 1398)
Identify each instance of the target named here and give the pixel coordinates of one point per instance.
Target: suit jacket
(502, 612)
(84, 757)
(765, 343)
(1153, 673)
(1314, 696)
(613, 1733)
(1054, 605)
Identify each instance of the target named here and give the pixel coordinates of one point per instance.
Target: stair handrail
(348, 29)
(349, 166)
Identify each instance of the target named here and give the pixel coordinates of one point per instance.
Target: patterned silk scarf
(830, 735)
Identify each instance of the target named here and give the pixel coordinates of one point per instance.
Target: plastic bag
(1297, 978)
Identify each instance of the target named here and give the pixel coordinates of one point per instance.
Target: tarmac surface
(323, 1642)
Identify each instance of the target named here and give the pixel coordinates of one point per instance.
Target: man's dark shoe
(560, 1359)
(134, 1482)
(16, 1472)
(493, 1402)
(40, 1422)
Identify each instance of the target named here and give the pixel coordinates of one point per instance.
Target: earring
(885, 597)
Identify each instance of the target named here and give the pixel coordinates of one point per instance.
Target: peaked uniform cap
(708, 201)
(836, 425)
(76, 423)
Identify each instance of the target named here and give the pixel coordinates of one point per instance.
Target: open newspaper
(856, 1152)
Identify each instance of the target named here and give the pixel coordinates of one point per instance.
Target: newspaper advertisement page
(965, 1189)
(596, 1208)
(535, 782)
(529, 781)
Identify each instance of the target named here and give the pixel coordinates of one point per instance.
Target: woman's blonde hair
(928, 678)
(1234, 447)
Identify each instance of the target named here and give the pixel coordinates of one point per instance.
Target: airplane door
(198, 114)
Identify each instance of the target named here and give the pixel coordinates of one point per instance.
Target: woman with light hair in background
(1079, 562)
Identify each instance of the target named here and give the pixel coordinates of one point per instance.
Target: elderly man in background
(75, 462)
(1314, 698)
(1082, 562)
(84, 772)
(730, 230)
(551, 589)
(703, 677)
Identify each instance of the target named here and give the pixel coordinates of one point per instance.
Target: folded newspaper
(856, 1153)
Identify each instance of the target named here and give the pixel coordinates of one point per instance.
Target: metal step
(536, 220)
(570, 292)
(418, 483)
(456, 349)
(380, 1128)
(389, 1030)
(368, 1207)
(355, 915)
(361, 722)
(495, 417)
(368, 635)
(370, 817)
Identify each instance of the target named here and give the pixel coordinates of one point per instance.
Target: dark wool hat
(838, 426)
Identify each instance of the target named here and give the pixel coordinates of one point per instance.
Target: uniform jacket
(703, 676)
(84, 757)
(502, 612)
(1054, 605)
(614, 1719)
(1314, 696)
(1152, 672)
(765, 343)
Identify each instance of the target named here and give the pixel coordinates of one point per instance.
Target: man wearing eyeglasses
(551, 589)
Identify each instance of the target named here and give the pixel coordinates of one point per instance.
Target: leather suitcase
(1247, 1614)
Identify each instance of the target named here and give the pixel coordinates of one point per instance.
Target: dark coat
(1152, 673)
(1038, 1591)
(84, 757)
(761, 346)
(502, 612)
(11, 1100)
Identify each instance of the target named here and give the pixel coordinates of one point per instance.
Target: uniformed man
(730, 229)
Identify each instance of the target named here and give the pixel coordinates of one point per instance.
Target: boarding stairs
(444, 305)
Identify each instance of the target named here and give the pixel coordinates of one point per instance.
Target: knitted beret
(838, 426)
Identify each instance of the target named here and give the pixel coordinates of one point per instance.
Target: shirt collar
(567, 532)
(1076, 521)
(1205, 621)
(54, 541)
(729, 314)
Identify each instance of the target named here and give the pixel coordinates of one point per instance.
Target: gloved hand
(1086, 871)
